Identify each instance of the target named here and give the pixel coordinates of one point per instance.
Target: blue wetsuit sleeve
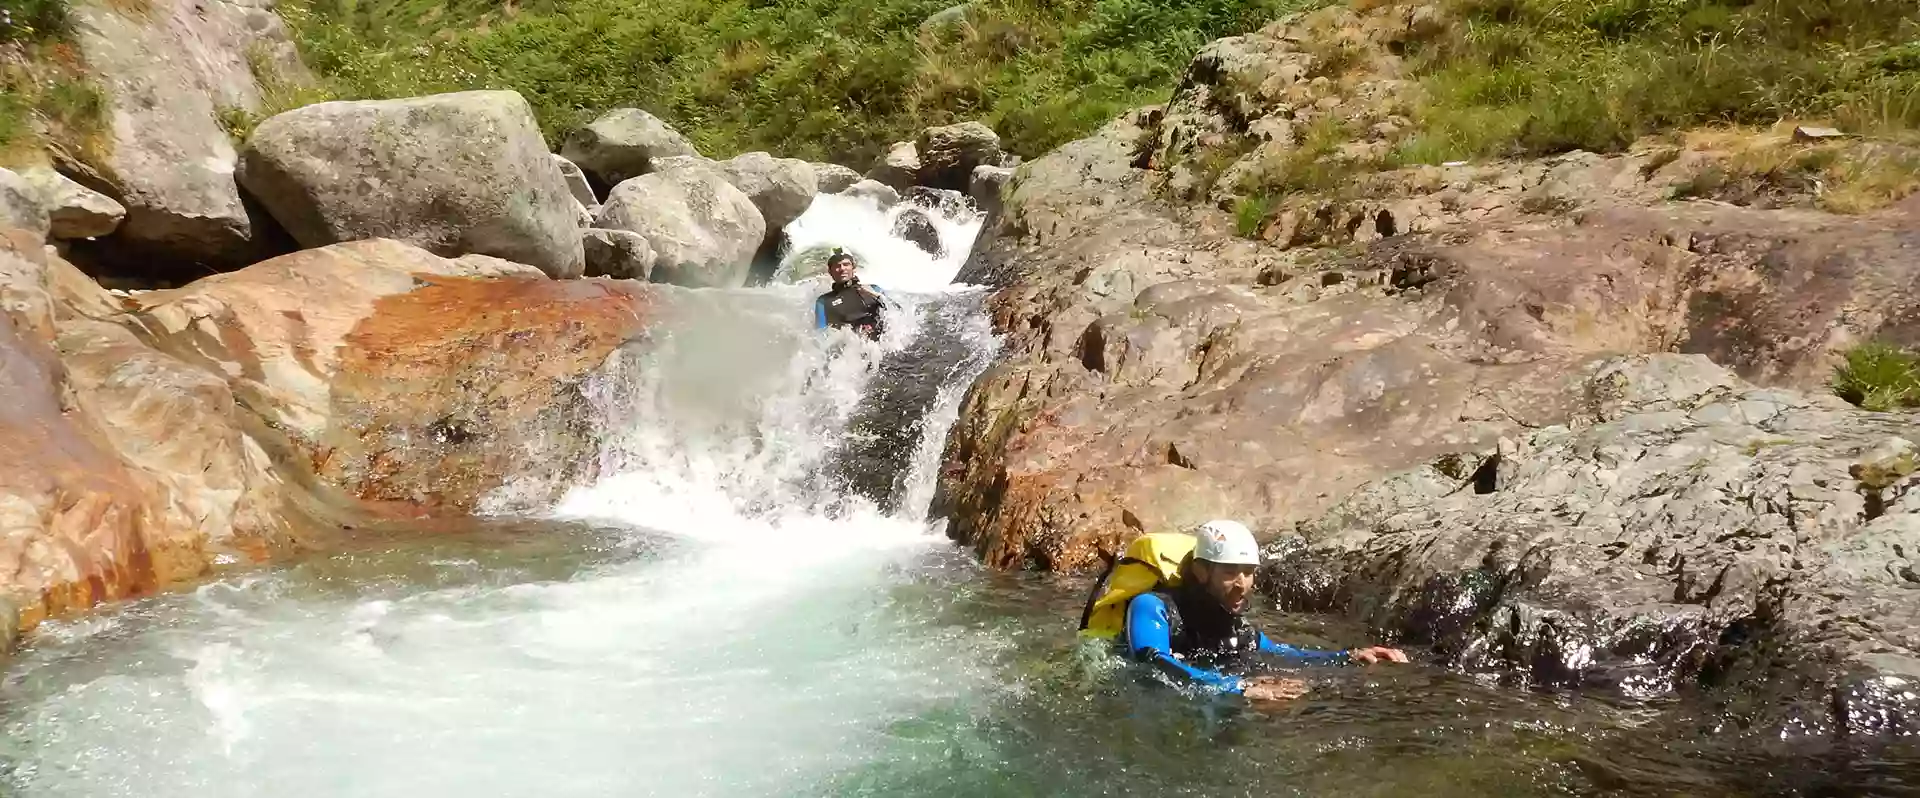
(1267, 646)
(1149, 640)
(820, 314)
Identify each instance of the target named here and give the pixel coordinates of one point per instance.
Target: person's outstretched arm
(1150, 640)
(1267, 646)
(881, 295)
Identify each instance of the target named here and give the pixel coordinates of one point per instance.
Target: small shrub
(1250, 215)
(1878, 376)
(237, 122)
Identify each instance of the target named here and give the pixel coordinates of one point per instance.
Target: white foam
(864, 229)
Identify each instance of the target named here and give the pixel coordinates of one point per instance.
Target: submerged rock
(452, 173)
(703, 230)
(915, 226)
(622, 144)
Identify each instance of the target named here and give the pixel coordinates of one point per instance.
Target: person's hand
(1373, 654)
(1269, 688)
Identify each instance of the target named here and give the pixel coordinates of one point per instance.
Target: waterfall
(716, 612)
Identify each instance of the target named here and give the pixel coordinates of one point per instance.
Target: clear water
(749, 601)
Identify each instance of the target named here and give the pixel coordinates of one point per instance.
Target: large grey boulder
(167, 74)
(880, 193)
(20, 205)
(452, 173)
(985, 187)
(1677, 508)
(577, 183)
(832, 178)
(75, 210)
(622, 144)
(781, 188)
(899, 168)
(949, 154)
(618, 253)
(672, 163)
(703, 230)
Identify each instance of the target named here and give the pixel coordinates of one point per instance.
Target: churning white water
(740, 622)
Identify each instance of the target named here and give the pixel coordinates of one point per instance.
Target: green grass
(1879, 376)
(32, 20)
(805, 78)
(1534, 77)
(1250, 214)
(1313, 165)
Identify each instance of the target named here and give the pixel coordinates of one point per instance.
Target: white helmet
(1227, 543)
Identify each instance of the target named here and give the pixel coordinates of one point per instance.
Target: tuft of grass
(1870, 179)
(1536, 77)
(238, 123)
(1842, 177)
(1250, 215)
(805, 78)
(28, 21)
(1878, 376)
(1312, 165)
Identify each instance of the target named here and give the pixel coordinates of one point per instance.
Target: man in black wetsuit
(850, 303)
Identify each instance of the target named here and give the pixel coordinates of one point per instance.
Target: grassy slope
(45, 94)
(1529, 77)
(821, 79)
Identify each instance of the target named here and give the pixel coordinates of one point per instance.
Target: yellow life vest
(1151, 562)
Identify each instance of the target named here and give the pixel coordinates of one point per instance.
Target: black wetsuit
(851, 304)
(1186, 633)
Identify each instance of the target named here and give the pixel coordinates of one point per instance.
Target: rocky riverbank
(1554, 418)
(342, 315)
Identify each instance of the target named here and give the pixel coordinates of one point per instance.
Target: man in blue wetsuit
(850, 303)
(1197, 632)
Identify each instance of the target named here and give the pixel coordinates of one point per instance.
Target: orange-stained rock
(251, 415)
(101, 497)
(399, 376)
(449, 391)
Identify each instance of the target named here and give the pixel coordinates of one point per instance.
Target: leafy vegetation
(805, 78)
(1879, 376)
(47, 97)
(1531, 77)
(1250, 214)
(32, 20)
